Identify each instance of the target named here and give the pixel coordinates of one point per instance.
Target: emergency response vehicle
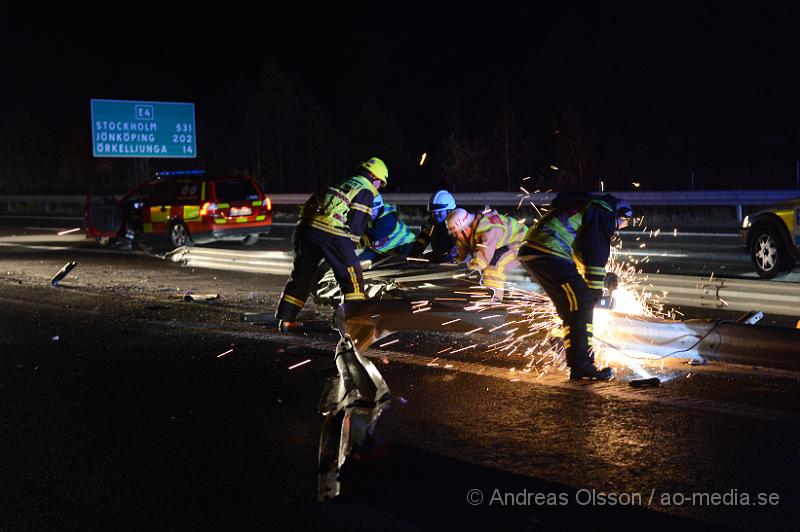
(180, 209)
(772, 238)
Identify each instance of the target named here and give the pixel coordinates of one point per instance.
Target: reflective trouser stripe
(509, 257)
(573, 302)
(354, 279)
(478, 263)
(293, 300)
(353, 296)
(494, 281)
(494, 276)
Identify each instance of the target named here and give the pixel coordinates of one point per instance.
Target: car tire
(250, 240)
(178, 235)
(768, 252)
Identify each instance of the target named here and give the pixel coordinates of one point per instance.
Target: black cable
(717, 323)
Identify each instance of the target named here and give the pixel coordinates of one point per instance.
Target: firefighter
(331, 224)
(489, 242)
(566, 252)
(434, 232)
(386, 233)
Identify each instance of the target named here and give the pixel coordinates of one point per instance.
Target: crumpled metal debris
(191, 296)
(63, 272)
(351, 404)
(175, 255)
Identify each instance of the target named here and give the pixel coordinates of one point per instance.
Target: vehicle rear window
(176, 193)
(233, 190)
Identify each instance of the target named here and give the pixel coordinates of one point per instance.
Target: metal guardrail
(713, 197)
(696, 292)
(500, 199)
(505, 199)
(782, 298)
(45, 204)
(726, 294)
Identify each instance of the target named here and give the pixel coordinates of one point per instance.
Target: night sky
(653, 91)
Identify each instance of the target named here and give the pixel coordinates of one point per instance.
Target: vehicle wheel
(250, 240)
(179, 235)
(104, 241)
(767, 251)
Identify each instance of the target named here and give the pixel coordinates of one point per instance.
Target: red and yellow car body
(210, 209)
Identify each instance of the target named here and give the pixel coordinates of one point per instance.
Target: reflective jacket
(342, 209)
(388, 231)
(490, 232)
(578, 228)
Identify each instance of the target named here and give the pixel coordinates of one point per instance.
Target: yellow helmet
(377, 168)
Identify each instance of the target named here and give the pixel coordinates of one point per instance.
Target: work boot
(290, 326)
(589, 371)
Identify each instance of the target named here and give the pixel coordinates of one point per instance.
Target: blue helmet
(440, 204)
(624, 209)
(441, 200)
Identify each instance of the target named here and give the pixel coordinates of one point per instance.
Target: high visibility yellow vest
(556, 232)
(513, 230)
(329, 209)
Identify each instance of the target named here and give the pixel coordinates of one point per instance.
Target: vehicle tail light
(267, 203)
(208, 208)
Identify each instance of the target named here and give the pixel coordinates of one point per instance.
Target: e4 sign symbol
(144, 112)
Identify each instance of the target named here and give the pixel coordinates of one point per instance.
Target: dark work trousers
(572, 297)
(311, 246)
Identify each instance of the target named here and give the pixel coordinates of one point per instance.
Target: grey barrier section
(47, 204)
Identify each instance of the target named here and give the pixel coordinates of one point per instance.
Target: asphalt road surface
(126, 407)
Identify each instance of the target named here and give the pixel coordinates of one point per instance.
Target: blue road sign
(122, 128)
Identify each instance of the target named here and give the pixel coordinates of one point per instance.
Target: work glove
(611, 282)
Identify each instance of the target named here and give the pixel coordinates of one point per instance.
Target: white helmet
(459, 224)
(377, 205)
(441, 203)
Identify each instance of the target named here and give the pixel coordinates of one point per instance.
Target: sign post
(122, 128)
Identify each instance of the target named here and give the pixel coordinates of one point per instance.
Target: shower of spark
(534, 330)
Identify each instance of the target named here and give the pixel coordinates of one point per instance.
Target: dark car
(772, 238)
(180, 209)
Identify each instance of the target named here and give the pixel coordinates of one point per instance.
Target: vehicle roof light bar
(179, 172)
